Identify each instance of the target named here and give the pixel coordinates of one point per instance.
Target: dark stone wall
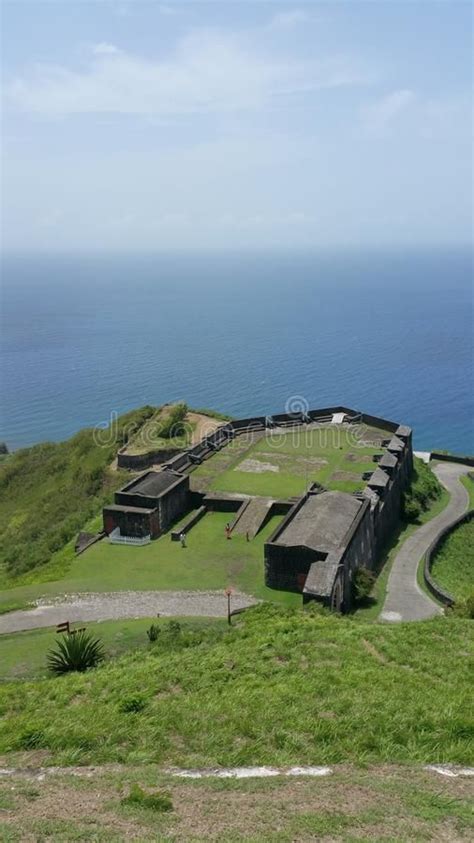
(435, 455)
(386, 514)
(174, 503)
(286, 568)
(139, 462)
(136, 524)
(360, 553)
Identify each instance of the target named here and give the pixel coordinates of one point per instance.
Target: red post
(228, 592)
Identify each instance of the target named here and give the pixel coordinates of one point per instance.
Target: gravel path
(122, 604)
(405, 601)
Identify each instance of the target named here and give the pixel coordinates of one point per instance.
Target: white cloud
(208, 72)
(379, 116)
(285, 20)
(105, 49)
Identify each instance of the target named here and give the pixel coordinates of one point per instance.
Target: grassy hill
(283, 686)
(50, 491)
(453, 565)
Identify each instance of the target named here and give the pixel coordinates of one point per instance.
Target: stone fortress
(324, 535)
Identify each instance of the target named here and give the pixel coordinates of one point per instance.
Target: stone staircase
(252, 517)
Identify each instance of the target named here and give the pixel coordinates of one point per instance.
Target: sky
(141, 126)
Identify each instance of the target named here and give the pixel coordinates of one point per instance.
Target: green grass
(282, 686)
(453, 564)
(23, 654)
(330, 455)
(208, 562)
(468, 481)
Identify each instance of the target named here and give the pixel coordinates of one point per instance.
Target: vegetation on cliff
(48, 492)
(424, 488)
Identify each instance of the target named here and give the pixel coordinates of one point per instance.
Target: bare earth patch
(256, 467)
(378, 803)
(203, 426)
(344, 476)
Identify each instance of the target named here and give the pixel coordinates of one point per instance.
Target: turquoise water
(387, 332)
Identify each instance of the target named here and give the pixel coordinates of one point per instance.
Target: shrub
(463, 608)
(362, 583)
(424, 488)
(174, 423)
(153, 632)
(75, 652)
(138, 798)
(411, 509)
(173, 629)
(131, 705)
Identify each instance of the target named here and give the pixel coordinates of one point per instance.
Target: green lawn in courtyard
(283, 464)
(209, 562)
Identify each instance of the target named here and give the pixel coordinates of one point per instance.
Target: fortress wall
(387, 513)
(376, 421)
(173, 503)
(359, 552)
(436, 455)
(139, 462)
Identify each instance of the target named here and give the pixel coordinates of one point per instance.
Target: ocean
(389, 332)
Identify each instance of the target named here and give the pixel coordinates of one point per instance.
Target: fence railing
(115, 537)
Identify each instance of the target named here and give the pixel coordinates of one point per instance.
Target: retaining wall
(435, 455)
(139, 462)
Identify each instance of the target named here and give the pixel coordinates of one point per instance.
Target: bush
(153, 632)
(138, 798)
(173, 425)
(363, 583)
(131, 705)
(463, 608)
(424, 488)
(75, 652)
(411, 509)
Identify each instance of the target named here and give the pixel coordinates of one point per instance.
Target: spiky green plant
(75, 652)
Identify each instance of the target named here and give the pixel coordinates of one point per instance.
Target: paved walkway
(405, 601)
(123, 604)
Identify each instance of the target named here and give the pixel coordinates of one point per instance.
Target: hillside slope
(49, 491)
(282, 686)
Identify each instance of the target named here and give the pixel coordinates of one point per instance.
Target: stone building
(327, 536)
(148, 504)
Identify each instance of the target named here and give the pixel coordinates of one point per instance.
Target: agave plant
(75, 652)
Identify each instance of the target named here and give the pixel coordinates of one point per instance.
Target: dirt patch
(384, 802)
(374, 652)
(203, 426)
(256, 467)
(346, 477)
(363, 458)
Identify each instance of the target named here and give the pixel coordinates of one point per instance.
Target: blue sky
(143, 125)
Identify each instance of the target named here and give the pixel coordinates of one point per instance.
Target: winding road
(405, 601)
(122, 604)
